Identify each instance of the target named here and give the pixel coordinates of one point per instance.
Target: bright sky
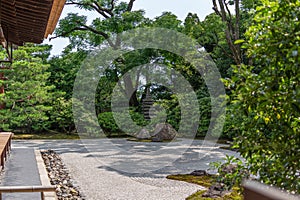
(153, 8)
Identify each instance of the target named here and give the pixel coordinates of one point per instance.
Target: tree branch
(104, 10)
(221, 47)
(67, 33)
(130, 5)
(103, 34)
(232, 30)
(215, 8)
(112, 5)
(86, 28)
(99, 9)
(237, 19)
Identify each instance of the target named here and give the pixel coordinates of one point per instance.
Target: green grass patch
(138, 140)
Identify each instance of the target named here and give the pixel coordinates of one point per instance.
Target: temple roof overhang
(28, 20)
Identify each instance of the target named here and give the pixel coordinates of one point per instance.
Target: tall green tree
(63, 70)
(111, 18)
(27, 96)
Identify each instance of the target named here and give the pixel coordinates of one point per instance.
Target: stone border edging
(45, 181)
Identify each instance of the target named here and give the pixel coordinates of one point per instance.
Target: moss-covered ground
(205, 181)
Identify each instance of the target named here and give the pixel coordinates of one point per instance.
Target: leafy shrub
(268, 96)
(109, 124)
(231, 172)
(62, 116)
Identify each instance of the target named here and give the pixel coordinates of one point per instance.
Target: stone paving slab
(21, 170)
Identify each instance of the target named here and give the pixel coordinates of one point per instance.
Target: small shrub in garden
(231, 172)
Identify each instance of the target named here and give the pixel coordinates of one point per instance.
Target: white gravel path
(98, 184)
(109, 173)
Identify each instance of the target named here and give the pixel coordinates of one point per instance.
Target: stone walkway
(119, 169)
(21, 170)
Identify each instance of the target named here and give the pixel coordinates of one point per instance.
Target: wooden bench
(19, 189)
(5, 146)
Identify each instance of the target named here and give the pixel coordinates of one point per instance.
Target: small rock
(215, 191)
(229, 169)
(156, 139)
(199, 173)
(143, 134)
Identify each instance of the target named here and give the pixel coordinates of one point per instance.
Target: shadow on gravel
(137, 159)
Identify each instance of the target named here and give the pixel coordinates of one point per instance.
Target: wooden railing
(19, 189)
(257, 191)
(5, 146)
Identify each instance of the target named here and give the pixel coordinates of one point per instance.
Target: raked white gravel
(97, 171)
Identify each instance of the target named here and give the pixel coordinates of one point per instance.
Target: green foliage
(210, 34)
(111, 17)
(267, 95)
(169, 21)
(61, 115)
(234, 195)
(27, 96)
(63, 71)
(109, 125)
(231, 172)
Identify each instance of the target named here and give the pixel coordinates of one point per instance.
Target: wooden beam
(17, 189)
(55, 13)
(254, 190)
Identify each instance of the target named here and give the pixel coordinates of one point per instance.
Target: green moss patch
(138, 140)
(234, 195)
(205, 181)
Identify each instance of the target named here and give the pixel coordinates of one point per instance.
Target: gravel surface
(132, 171)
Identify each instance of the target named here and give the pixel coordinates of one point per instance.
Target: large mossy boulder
(163, 131)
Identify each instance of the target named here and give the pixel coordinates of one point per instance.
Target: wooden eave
(29, 20)
(55, 13)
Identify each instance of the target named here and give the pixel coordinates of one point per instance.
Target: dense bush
(109, 125)
(61, 116)
(267, 95)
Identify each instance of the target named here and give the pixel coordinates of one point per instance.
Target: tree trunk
(232, 31)
(2, 105)
(130, 91)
